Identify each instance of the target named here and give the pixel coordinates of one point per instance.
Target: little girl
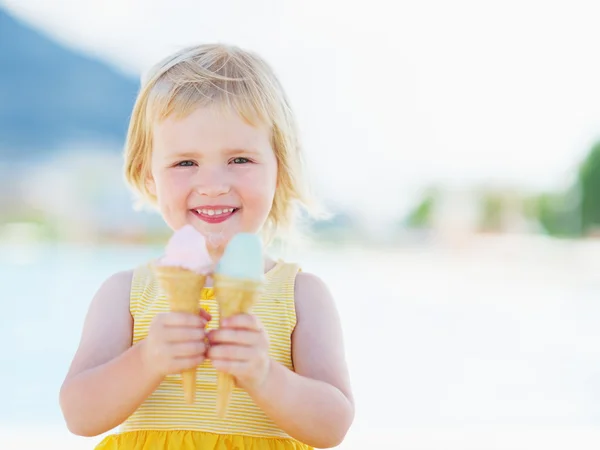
(212, 143)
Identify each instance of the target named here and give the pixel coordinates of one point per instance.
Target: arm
(314, 404)
(107, 380)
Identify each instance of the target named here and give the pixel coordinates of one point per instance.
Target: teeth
(213, 212)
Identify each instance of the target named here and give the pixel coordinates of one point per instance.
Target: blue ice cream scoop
(242, 258)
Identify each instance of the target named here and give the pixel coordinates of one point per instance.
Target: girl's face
(214, 171)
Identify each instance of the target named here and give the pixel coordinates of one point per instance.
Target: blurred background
(457, 145)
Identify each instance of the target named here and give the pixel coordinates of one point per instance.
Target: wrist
(147, 367)
(261, 385)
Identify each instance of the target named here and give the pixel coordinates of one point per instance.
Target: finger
(233, 336)
(230, 353)
(185, 334)
(205, 315)
(181, 364)
(244, 321)
(187, 349)
(229, 366)
(178, 319)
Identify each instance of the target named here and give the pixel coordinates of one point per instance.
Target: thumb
(205, 315)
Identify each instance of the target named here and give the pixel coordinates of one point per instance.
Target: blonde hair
(216, 74)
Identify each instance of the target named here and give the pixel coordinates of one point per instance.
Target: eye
(185, 163)
(240, 160)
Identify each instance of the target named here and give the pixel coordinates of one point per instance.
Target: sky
(390, 96)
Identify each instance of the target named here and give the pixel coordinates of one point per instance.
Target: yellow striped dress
(164, 421)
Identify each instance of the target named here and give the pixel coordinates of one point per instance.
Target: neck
(215, 254)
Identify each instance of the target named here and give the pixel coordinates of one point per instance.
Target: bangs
(231, 85)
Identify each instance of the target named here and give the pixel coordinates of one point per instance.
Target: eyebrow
(226, 151)
(184, 154)
(230, 151)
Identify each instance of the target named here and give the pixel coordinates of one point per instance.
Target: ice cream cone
(182, 287)
(234, 296)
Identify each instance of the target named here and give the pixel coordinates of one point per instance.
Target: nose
(212, 181)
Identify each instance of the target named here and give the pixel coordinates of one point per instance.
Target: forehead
(209, 128)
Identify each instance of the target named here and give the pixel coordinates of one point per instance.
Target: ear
(150, 185)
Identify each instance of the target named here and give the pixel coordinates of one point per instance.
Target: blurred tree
(492, 212)
(558, 213)
(589, 188)
(422, 214)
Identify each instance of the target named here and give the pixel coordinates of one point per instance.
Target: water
(447, 349)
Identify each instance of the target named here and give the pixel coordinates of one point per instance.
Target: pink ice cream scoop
(187, 249)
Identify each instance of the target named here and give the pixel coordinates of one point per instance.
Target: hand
(240, 347)
(175, 342)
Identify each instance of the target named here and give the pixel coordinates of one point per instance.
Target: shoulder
(308, 284)
(119, 281)
(311, 294)
(116, 288)
(136, 286)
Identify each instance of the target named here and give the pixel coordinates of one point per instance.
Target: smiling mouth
(214, 215)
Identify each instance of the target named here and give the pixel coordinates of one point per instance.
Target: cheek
(258, 187)
(172, 185)
(172, 191)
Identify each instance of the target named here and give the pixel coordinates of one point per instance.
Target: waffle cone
(182, 288)
(234, 296)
